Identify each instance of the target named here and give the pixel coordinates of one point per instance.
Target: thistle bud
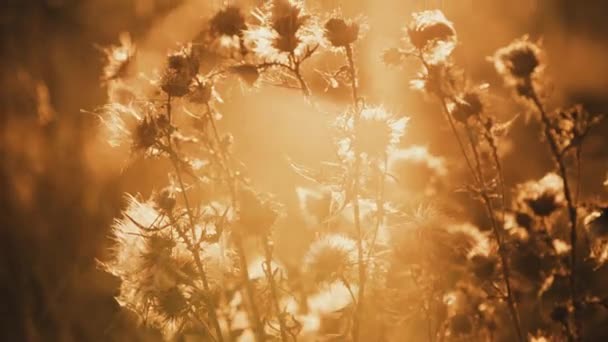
(466, 107)
(177, 77)
(228, 22)
(428, 27)
(340, 33)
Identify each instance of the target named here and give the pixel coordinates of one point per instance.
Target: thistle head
(331, 258)
(179, 72)
(341, 33)
(229, 21)
(543, 197)
(519, 60)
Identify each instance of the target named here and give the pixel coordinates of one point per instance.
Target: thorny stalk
(477, 174)
(382, 170)
(355, 194)
(193, 249)
(273, 287)
(258, 328)
(506, 269)
(572, 214)
(231, 181)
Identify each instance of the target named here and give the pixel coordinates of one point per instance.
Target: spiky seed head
(428, 27)
(468, 106)
(330, 258)
(341, 33)
(229, 21)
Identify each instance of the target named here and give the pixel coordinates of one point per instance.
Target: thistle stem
(572, 214)
(193, 249)
(506, 269)
(273, 287)
(356, 209)
(258, 328)
(238, 241)
(478, 177)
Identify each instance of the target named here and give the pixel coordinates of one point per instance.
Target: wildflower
(119, 58)
(520, 59)
(181, 68)
(202, 91)
(341, 33)
(165, 200)
(378, 132)
(256, 213)
(428, 27)
(136, 126)
(517, 63)
(229, 22)
(433, 34)
(119, 121)
(247, 72)
(145, 134)
(331, 258)
(543, 197)
(172, 303)
(437, 79)
(469, 105)
(285, 29)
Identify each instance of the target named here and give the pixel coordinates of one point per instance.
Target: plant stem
(379, 205)
(478, 177)
(506, 270)
(258, 328)
(238, 241)
(572, 214)
(193, 249)
(273, 287)
(356, 210)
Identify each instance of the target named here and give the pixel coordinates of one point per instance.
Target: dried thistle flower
(119, 58)
(433, 35)
(543, 197)
(467, 106)
(331, 258)
(437, 79)
(202, 90)
(285, 30)
(517, 63)
(378, 132)
(181, 68)
(341, 33)
(572, 125)
(165, 200)
(172, 303)
(129, 125)
(520, 59)
(229, 22)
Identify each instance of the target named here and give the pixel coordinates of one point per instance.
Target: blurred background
(60, 188)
